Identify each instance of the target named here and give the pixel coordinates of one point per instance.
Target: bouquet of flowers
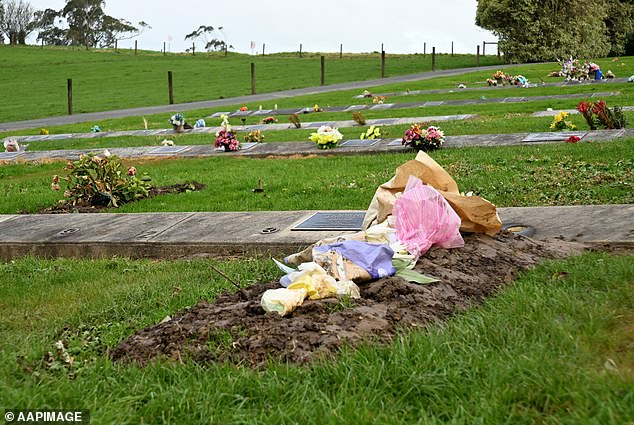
(609, 74)
(560, 123)
(492, 82)
(200, 123)
(269, 120)
(424, 139)
(11, 145)
(498, 76)
(366, 93)
(373, 132)
(380, 100)
(326, 137)
(177, 120)
(225, 138)
(254, 136)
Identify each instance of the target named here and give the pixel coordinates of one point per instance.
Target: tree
(543, 30)
(84, 23)
(17, 20)
(205, 32)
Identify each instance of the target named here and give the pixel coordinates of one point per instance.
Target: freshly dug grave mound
(235, 328)
(154, 191)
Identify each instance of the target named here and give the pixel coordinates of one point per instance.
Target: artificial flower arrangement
(572, 139)
(200, 123)
(609, 74)
(254, 136)
(366, 93)
(316, 108)
(11, 145)
(326, 137)
(225, 138)
(269, 120)
(501, 78)
(44, 132)
(177, 120)
(598, 114)
(243, 109)
(560, 123)
(423, 139)
(573, 70)
(95, 129)
(373, 132)
(379, 100)
(167, 142)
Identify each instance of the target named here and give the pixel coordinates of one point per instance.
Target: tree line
(79, 23)
(546, 30)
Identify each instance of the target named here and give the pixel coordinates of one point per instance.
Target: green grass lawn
(34, 79)
(557, 174)
(551, 348)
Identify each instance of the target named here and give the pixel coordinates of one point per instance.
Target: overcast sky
(320, 25)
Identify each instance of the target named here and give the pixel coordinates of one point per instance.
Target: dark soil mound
(235, 327)
(90, 208)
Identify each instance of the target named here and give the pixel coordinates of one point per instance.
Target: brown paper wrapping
(477, 214)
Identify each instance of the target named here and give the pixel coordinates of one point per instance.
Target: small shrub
(97, 180)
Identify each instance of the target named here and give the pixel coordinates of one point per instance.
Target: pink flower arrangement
(573, 139)
(423, 139)
(225, 138)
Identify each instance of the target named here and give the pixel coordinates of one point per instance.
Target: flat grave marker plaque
(317, 124)
(359, 143)
(249, 145)
(396, 142)
(434, 103)
(263, 112)
(241, 113)
(513, 100)
(354, 108)
(167, 150)
(552, 137)
(323, 221)
(384, 121)
(382, 106)
(218, 114)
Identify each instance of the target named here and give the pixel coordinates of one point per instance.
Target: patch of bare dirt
(90, 208)
(234, 327)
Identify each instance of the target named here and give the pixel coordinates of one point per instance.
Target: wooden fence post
(69, 85)
(478, 56)
(263, 46)
(193, 49)
(452, 49)
(433, 58)
(135, 46)
(252, 78)
(170, 85)
(300, 50)
(341, 51)
(382, 63)
(164, 49)
(323, 68)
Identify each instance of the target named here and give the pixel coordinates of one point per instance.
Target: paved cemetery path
(181, 107)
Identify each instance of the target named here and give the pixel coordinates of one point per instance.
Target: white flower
(106, 153)
(167, 143)
(11, 145)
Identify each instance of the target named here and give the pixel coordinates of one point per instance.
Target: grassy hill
(33, 79)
